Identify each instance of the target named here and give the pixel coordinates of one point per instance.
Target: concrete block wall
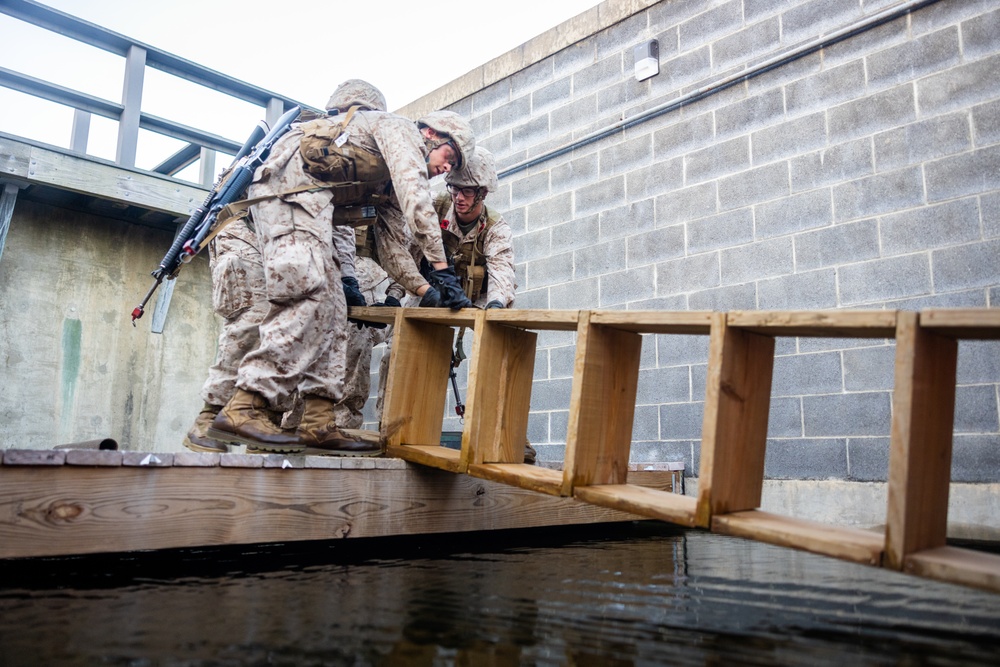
(862, 175)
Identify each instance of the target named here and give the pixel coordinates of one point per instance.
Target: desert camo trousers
(303, 337)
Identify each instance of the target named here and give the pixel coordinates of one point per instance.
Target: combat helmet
(356, 92)
(455, 128)
(478, 172)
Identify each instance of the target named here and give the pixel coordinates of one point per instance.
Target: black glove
(494, 304)
(447, 284)
(392, 302)
(431, 298)
(352, 292)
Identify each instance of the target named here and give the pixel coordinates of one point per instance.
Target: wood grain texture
(957, 566)
(549, 320)
(967, 323)
(859, 546)
(48, 511)
(655, 321)
(923, 416)
(823, 323)
(434, 456)
(652, 503)
(522, 475)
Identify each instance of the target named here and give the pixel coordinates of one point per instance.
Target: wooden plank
(50, 511)
(920, 440)
(734, 427)
(416, 389)
(823, 323)
(956, 566)
(522, 475)
(442, 316)
(107, 181)
(652, 503)
(655, 321)
(435, 456)
(15, 156)
(852, 544)
(381, 314)
(967, 323)
(549, 320)
(602, 405)
(499, 399)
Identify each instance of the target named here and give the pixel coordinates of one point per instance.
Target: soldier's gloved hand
(447, 284)
(392, 302)
(352, 292)
(431, 298)
(494, 304)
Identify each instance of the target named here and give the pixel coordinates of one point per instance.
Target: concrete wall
(863, 175)
(73, 367)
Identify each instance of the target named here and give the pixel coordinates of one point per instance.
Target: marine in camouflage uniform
(303, 337)
(238, 289)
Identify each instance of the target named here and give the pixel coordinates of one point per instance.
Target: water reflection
(637, 594)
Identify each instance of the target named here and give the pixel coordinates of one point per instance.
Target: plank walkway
(734, 430)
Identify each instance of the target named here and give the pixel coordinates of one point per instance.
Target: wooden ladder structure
(734, 429)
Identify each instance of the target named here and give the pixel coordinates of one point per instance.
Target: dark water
(636, 594)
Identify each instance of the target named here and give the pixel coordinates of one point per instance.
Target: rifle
(230, 187)
(457, 356)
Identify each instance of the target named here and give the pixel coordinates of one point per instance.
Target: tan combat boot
(247, 419)
(197, 439)
(318, 429)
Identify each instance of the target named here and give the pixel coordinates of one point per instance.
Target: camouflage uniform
(238, 298)
(492, 244)
(303, 338)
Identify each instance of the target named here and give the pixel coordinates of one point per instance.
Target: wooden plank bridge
(734, 430)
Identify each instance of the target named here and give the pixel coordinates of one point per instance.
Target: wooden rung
(957, 566)
(825, 323)
(655, 321)
(443, 316)
(654, 503)
(853, 544)
(443, 458)
(533, 478)
(550, 320)
(373, 314)
(969, 323)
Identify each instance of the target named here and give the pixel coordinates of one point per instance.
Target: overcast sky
(298, 49)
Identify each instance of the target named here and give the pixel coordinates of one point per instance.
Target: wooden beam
(957, 566)
(655, 321)
(652, 503)
(64, 510)
(734, 427)
(823, 323)
(602, 405)
(923, 415)
(501, 370)
(853, 544)
(965, 323)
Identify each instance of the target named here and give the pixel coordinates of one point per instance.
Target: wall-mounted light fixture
(647, 60)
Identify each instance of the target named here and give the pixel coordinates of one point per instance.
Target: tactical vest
(469, 255)
(355, 176)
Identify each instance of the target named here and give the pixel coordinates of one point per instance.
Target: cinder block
(743, 117)
(979, 35)
(551, 394)
(839, 244)
(978, 361)
(661, 176)
(575, 234)
(825, 89)
(754, 186)
(976, 459)
(868, 459)
(688, 274)
(561, 361)
(757, 39)
(964, 174)
(687, 204)
(533, 245)
(878, 194)
(870, 368)
(819, 458)
(528, 135)
(532, 77)
(630, 285)
(809, 19)
(574, 115)
(683, 135)
(785, 139)
(664, 385)
(764, 259)
(147, 459)
(796, 213)
(730, 297)
(491, 96)
(578, 295)
(646, 424)
(529, 189)
(600, 74)
(924, 140)
(965, 266)
(511, 113)
(719, 231)
(704, 27)
(626, 156)
(574, 173)
(976, 409)
(681, 349)
(950, 223)
(681, 421)
(959, 87)
(836, 415)
(883, 279)
(655, 246)
(717, 159)
(840, 163)
(628, 220)
(784, 418)
(819, 373)
(812, 290)
(549, 271)
(600, 196)
(914, 59)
